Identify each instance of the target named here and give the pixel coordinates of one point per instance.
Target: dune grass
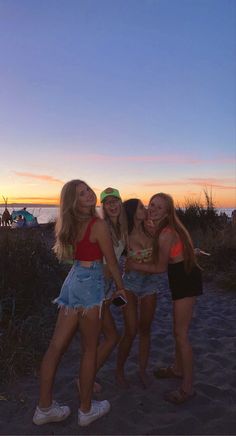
(214, 233)
(30, 279)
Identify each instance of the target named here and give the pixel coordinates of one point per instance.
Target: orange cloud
(142, 158)
(43, 177)
(34, 200)
(168, 158)
(214, 183)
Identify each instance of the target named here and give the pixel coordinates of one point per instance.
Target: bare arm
(165, 242)
(103, 237)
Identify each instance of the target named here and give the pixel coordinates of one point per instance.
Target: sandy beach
(138, 411)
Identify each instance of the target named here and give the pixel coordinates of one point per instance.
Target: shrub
(30, 278)
(215, 234)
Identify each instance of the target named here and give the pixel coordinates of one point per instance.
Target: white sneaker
(55, 413)
(98, 409)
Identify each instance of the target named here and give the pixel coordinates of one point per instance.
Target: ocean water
(43, 214)
(48, 214)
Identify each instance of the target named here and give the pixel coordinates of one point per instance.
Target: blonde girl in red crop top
(173, 252)
(79, 301)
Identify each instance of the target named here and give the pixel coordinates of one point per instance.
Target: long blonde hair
(172, 221)
(118, 231)
(70, 220)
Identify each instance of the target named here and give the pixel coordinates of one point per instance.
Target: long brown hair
(130, 207)
(172, 221)
(70, 220)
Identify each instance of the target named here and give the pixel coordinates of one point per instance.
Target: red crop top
(87, 250)
(177, 248)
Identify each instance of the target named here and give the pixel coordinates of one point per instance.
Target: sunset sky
(135, 94)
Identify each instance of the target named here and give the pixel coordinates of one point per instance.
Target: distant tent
(30, 220)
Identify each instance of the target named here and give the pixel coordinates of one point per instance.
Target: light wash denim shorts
(83, 287)
(144, 284)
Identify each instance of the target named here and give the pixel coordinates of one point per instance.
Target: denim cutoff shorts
(83, 287)
(144, 284)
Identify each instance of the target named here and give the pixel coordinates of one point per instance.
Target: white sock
(45, 409)
(85, 413)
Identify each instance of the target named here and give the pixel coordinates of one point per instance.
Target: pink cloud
(43, 177)
(213, 182)
(208, 182)
(164, 158)
(137, 158)
(224, 159)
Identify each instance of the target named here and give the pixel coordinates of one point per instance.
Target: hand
(128, 265)
(119, 292)
(150, 223)
(131, 265)
(149, 226)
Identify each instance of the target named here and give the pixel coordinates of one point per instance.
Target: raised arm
(165, 242)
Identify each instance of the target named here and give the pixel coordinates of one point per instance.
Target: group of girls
(154, 242)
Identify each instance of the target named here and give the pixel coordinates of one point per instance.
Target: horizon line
(98, 204)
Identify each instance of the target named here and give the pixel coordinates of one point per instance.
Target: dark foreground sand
(138, 411)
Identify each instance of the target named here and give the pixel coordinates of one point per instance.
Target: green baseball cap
(109, 191)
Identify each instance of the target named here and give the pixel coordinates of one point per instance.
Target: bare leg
(147, 311)
(105, 347)
(183, 310)
(111, 336)
(130, 331)
(89, 324)
(66, 326)
(177, 366)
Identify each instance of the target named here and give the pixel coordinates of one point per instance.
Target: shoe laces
(98, 406)
(56, 406)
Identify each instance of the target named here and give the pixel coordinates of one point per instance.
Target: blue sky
(136, 94)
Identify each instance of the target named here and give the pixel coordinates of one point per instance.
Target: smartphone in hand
(198, 252)
(205, 253)
(119, 301)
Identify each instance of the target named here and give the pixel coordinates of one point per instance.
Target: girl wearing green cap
(115, 217)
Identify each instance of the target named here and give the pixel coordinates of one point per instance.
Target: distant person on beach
(80, 301)
(20, 222)
(173, 251)
(6, 217)
(141, 290)
(233, 217)
(115, 218)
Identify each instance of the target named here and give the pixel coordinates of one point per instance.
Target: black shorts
(183, 284)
